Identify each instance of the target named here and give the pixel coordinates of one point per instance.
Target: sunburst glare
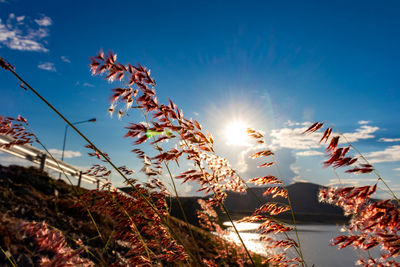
(236, 134)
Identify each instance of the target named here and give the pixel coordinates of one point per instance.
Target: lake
(315, 240)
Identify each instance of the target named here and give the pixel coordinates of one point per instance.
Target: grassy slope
(28, 195)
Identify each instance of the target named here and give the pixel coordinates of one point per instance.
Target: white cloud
(292, 136)
(67, 153)
(243, 160)
(21, 33)
(184, 189)
(390, 154)
(389, 140)
(296, 170)
(49, 66)
(298, 180)
(309, 153)
(247, 167)
(397, 169)
(20, 18)
(65, 59)
(364, 132)
(363, 122)
(44, 21)
(290, 123)
(7, 160)
(88, 85)
(196, 113)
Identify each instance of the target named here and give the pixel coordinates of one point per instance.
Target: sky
(276, 66)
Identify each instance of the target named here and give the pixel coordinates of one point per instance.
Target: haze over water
(315, 240)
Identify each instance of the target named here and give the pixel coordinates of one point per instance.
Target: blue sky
(274, 65)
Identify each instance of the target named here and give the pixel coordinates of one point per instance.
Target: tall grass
(142, 219)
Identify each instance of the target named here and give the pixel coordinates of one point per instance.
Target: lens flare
(236, 134)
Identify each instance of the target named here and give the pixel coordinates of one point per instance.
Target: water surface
(315, 240)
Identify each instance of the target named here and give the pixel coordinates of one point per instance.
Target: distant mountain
(303, 196)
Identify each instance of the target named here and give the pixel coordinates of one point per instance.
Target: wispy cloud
(49, 66)
(67, 153)
(21, 33)
(309, 153)
(88, 85)
(364, 132)
(65, 59)
(389, 140)
(44, 21)
(390, 154)
(363, 122)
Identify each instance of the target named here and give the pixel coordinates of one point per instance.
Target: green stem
(5, 253)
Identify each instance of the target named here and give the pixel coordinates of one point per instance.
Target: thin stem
(73, 187)
(337, 175)
(269, 217)
(66, 236)
(148, 251)
(365, 159)
(220, 202)
(227, 213)
(9, 259)
(108, 241)
(291, 211)
(237, 233)
(106, 158)
(183, 212)
(176, 194)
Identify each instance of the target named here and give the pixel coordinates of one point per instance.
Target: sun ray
(236, 134)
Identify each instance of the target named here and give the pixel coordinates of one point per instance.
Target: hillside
(28, 195)
(304, 198)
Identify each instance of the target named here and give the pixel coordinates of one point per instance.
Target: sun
(236, 134)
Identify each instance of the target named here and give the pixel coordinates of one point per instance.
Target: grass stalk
(303, 263)
(8, 258)
(147, 201)
(176, 194)
(269, 217)
(73, 187)
(223, 206)
(66, 236)
(366, 161)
